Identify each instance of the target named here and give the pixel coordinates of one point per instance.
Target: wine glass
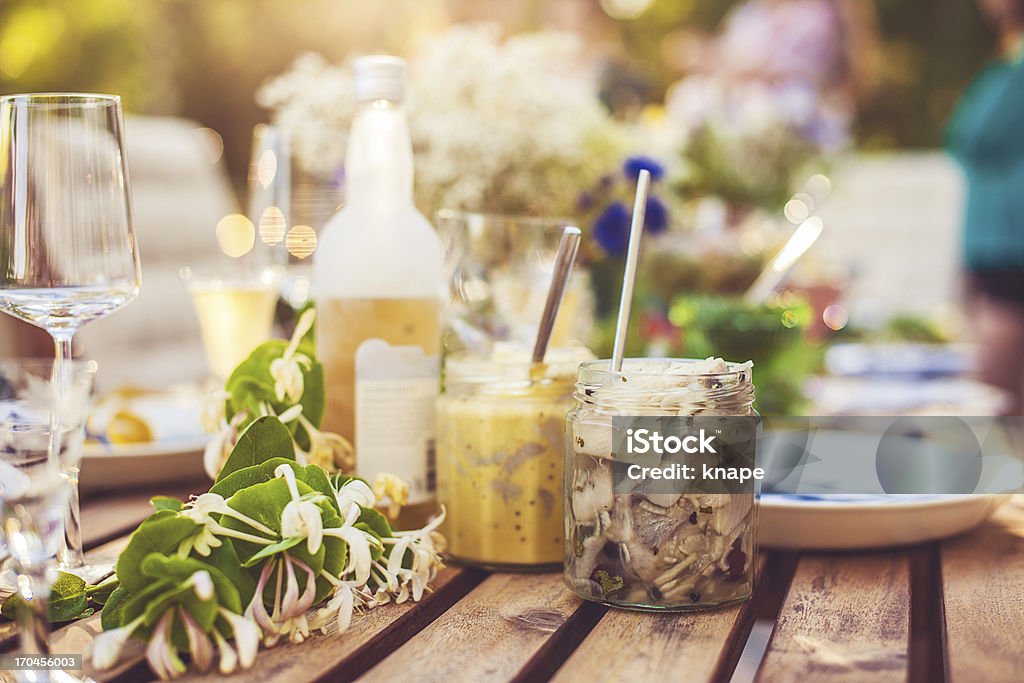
(33, 493)
(68, 252)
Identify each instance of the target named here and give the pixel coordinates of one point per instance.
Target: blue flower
(634, 165)
(656, 218)
(611, 229)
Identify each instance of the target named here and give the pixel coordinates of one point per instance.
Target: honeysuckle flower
(392, 489)
(287, 370)
(202, 585)
(216, 453)
(228, 658)
(327, 449)
(256, 610)
(160, 653)
(360, 560)
(293, 603)
(218, 448)
(426, 560)
(355, 493)
(247, 637)
(200, 509)
(300, 517)
(212, 414)
(106, 647)
(199, 644)
(289, 415)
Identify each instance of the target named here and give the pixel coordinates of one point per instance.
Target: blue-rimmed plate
(174, 454)
(846, 522)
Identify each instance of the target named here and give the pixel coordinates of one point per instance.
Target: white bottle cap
(379, 77)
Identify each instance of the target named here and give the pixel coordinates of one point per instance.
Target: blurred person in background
(986, 137)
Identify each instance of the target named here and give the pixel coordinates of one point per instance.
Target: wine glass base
(94, 570)
(54, 676)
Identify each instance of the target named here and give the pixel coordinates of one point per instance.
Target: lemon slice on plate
(127, 427)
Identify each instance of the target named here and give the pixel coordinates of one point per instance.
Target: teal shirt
(986, 136)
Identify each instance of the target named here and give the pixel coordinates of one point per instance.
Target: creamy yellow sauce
(499, 467)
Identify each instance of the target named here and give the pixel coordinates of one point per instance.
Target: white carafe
(377, 281)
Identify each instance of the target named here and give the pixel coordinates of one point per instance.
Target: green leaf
(171, 587)
(166, 503)
(316, 478)
(225, 559)
(250, 476)
(373, 521)
(113, 610)
(100, 593)
(272, 549)
(264, 439)
(162, 532)
(67, 600)
(251, 385)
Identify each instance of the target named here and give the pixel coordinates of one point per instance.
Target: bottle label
(396, 393)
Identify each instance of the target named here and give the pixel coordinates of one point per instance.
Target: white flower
(300, 517)
(199, 644)
(228, 657)
(287, 370)
(202, 585)
(470, 151)
(389, 487)
(331, 451)
(356, 493)
(360, 559)
(213, 417)
(425, 556)
(160, 653)
(200, 509)
(216, 452)
(106, 647)
(247, 637)
(287, 375)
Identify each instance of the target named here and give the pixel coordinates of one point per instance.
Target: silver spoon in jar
(565, 259)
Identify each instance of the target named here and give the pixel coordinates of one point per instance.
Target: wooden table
(951, 610)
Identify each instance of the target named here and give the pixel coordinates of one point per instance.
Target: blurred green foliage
(203, 59)
(927, 53)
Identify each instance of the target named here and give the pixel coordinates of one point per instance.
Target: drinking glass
(68, 252)
(33, 492)
(499, 271)
(235, 309)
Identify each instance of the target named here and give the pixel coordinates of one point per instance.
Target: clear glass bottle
(500, 453)
(378, 280)
(660, 551)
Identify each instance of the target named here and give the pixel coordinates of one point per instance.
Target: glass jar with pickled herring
(500, 454)
(647, 547)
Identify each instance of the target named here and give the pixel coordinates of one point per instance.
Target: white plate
(175, 455)
(836, 522)
(127, 465)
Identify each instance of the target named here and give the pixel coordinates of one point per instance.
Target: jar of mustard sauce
(500, 454)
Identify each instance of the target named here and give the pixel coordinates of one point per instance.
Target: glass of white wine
(68, 252)
(235, 309)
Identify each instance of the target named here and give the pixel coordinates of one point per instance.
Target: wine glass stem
(70, 554)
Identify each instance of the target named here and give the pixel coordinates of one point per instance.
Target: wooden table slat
(983, 585)
(846, 618)
(630, 646)
(490, 635)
